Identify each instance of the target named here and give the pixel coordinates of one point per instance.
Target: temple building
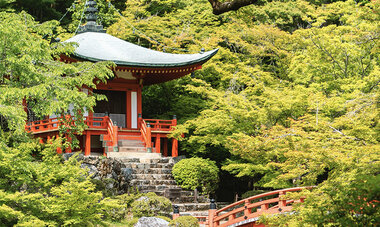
(117, 125)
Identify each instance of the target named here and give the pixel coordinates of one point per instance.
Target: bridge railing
(253, 207)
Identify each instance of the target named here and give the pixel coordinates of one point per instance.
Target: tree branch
(233, 5)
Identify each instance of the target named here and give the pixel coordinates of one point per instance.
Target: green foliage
(47, 192)
(291, 96)
(37, 188)
(131, 223)
(290, 99)
(197, 173)
(184, 221)
(107, 14)
(251, 193)
(150, 205)
(122, 210)
(29, 71)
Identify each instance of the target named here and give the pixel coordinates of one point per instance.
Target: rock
(143, 198)
(66, 156)
(127, 174)
(91, 168)
(151, 221)
(109, 185)
(91, 160)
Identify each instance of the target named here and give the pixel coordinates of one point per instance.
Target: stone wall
(108, 174)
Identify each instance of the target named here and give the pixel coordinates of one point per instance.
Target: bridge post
(211, 213)
(175, 212)
(247, 211)
(282, 201)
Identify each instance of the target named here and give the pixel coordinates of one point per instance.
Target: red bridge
(247, 212)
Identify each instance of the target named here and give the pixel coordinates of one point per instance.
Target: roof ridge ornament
(91, 15)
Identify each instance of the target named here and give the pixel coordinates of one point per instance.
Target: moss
(130, 223)
(184, 221)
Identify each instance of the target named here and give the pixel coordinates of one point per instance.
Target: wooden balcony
(150, 131)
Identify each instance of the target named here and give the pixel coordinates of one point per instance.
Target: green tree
(291, 96)
(36, 187)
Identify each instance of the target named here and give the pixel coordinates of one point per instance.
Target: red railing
(43, 125)
(253, 207)
(161, 125)
(97, 122)
(112, 131)
(146, 134)
(53, 124)
(111, 137)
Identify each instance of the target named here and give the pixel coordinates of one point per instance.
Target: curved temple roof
(96, 46)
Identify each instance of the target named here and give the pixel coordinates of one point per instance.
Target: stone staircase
(131, 145)
(154, 175)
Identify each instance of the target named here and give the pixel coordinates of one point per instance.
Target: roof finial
(91, 15)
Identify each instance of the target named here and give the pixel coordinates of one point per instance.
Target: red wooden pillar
(158, 143)
(139, 120)
(165, 153)
(174, 148)
(139, 99)
(87, 146)
(174, 141)
(148, 138)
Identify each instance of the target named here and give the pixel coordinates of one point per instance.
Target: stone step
(148, 165)
(195, 213)
(152, 182)
(130, 142)
(153, 176)
(129, 160)
(183, 207)
(153, 159)
(132, 149)
(152, 171)
(154, 188)
(139, 155)
(190, 199)
(130, 137)
(144, 165)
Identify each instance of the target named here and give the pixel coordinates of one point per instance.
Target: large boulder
(151, 221)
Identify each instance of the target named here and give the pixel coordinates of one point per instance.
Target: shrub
(118, 208)
(150, 205)
(197, 173)
(184, 221)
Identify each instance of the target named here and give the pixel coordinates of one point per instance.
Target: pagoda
(117, 126)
